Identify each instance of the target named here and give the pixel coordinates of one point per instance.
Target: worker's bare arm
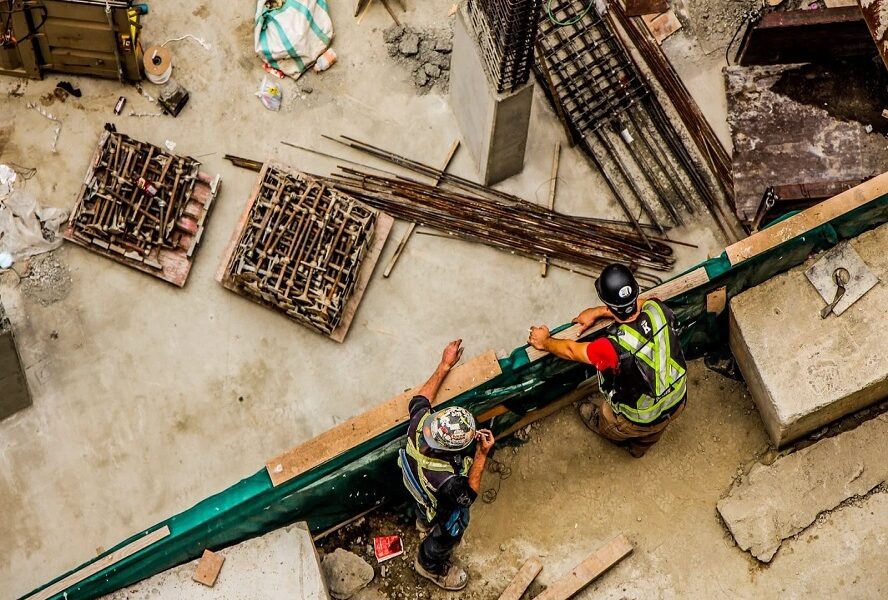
(566, 349)
(485, 444)
(452, 354)
(588, 317)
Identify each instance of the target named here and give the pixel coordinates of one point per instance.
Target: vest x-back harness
(419, 486)
(656, 353)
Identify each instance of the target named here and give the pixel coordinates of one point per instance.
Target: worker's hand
(587, 318)
(538, 336)
(485, 441)
(452, 354)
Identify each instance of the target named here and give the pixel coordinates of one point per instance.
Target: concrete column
(493, 126)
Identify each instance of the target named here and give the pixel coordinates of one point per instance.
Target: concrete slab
(494, 126)
(778, 501)
(281, 565)
(804, 371)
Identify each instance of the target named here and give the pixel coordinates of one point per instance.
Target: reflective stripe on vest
(425, 494)
(669, 384)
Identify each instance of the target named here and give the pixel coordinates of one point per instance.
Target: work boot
(452, 579)
(588, 411)
(423, 527)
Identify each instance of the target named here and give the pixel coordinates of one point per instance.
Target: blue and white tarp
(290, 35)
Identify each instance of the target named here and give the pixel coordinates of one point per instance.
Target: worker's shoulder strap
(422, 461)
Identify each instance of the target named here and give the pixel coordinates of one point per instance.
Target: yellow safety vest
(658, 355)
(424, 494)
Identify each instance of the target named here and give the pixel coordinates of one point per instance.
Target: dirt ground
(570, 492)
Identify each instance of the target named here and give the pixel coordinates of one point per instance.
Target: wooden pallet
(172, 266)
(382, 229)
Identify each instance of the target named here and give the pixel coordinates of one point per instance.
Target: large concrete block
(493, 126)
(14, 392)
(281, 565)
(803, 371)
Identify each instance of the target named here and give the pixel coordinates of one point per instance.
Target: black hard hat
(617, 288)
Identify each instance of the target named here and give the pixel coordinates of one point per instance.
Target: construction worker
(440, 474)
(641, 368)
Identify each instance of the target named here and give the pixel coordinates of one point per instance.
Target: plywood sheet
(375, 421)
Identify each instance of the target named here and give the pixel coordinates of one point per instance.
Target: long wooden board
(375, 421)
(808, 219)
(665, 291)
(526, 574)
(588, 570)
(100, 564)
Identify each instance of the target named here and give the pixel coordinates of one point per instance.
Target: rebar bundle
(480, 214)
(606, 104)
(505, 31)
(301, 248)
(135, 198)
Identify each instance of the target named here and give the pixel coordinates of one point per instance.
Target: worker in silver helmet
(641, 367)
(443, 474)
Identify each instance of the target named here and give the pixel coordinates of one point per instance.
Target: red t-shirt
(602, 354)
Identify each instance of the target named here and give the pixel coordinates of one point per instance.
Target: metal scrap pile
(477, 213)
(134, 200)
(301, 248)
(606, 103)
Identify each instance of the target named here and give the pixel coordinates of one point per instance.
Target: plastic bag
(270, 94)
(22, 226)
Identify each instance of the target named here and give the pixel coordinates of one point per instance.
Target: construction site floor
(570, 491)
(149, 398)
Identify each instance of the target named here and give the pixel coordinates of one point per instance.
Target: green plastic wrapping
(367, 475)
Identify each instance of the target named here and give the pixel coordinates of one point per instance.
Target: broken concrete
(346, 573)
(803, 371)
(778, 501)
(426, 52)
(281, 565)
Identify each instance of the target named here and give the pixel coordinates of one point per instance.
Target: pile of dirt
(426, 52)
(47, 280)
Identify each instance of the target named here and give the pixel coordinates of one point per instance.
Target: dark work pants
(436, 549)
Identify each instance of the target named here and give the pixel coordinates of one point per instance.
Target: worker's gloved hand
(485, 441)
(538, 336)
(452, 354)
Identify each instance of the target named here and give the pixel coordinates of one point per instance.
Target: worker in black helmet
(641, 368)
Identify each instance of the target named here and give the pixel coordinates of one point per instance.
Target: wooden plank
(381, 232)
(664, 291)
(663, 25)
(716, 300)
(208, 568)
(637, 8)
(398, 250)
(556, 157)
(100, 564)
(550, 409)
(375, 421)
(587, 571)
(526, 574)
(808, 219)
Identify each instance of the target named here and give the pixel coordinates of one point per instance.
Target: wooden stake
(522, 580)
(409, 232)
(544, 268)
(588, 570)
